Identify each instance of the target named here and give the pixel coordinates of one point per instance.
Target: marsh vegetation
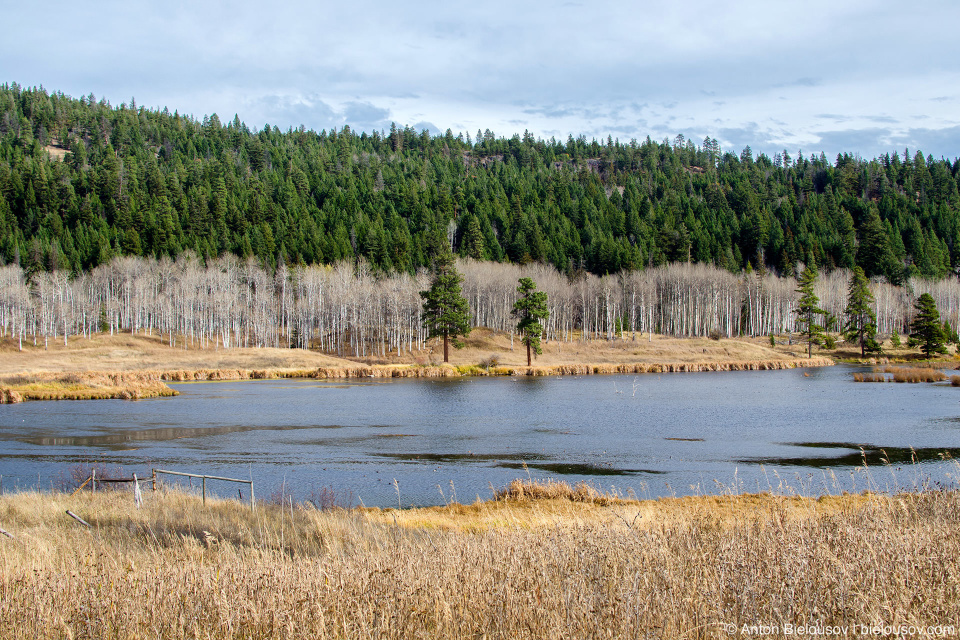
(532, 564)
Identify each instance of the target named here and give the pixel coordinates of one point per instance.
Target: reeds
(666, 569)
(903, 374)
(83, 386)
(917, 374)
(520, 490)
(101, 385)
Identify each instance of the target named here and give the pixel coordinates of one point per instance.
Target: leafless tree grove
(347, 309)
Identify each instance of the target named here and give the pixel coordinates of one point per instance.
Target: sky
(831, 76)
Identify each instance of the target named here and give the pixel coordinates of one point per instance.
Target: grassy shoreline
(522, 567)
(134, 366)
(83, 385)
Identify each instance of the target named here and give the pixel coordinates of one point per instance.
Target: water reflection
(578, 469)
(859, 454)
(654, 434)
(152, 435)
(448, 458)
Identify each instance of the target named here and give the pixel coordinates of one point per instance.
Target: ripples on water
(649, 435)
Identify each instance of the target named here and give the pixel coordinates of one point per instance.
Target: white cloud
(749, 72)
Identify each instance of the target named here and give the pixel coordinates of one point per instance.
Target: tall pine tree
(530, 308)
(808, 308)
(861, 325)
(926, 329)
(445, 310)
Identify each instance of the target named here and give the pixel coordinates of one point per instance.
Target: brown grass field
(544, 561)
(136, 366)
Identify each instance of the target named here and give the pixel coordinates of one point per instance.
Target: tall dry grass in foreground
(516, 568)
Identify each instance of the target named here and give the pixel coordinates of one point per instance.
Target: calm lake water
(652, 435)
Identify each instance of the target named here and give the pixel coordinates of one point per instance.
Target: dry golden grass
(905, 374)
(126, 353)
(915, 374)
(512, 568)
(918, 374)
(81, 386)
(136, 366)
(630, 349)
(869, 377)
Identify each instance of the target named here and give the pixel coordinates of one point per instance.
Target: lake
(648, 435)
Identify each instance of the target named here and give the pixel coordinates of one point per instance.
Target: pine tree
(473, 239)
(808, 307)
(530, 308)
(445, 310)
(949, 335)
(861, 325)
(926, 329)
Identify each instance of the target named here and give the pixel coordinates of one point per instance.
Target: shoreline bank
(137, 385)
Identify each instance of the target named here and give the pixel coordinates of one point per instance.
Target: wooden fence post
(137, 496)
(203, 479)
(78, 518)
(81, 486)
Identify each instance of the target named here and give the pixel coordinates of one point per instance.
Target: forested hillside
(82, 182)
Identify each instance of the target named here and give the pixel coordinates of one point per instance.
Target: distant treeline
(347, 309)
(83, 182)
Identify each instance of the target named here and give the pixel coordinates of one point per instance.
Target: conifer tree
(926, 329)
(530, 308)
(473, 239)
(861, 325)
(445, 310)
(895, 339)
(808, 307)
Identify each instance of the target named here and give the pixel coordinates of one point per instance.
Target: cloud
(364, 116)
(874, 141)
(882, 119)
(869, 142)
(551, 111)
(313, 112)
(735, 139)
(578, 68)
(936, 142)
(291, 111)
(429, 126)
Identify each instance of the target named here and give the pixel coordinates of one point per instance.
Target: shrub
(77, 474)
(326, 499)
(714, 334)
(492, 361)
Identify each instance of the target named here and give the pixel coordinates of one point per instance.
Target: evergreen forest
(83, 182)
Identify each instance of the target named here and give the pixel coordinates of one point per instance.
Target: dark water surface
(653, 435)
